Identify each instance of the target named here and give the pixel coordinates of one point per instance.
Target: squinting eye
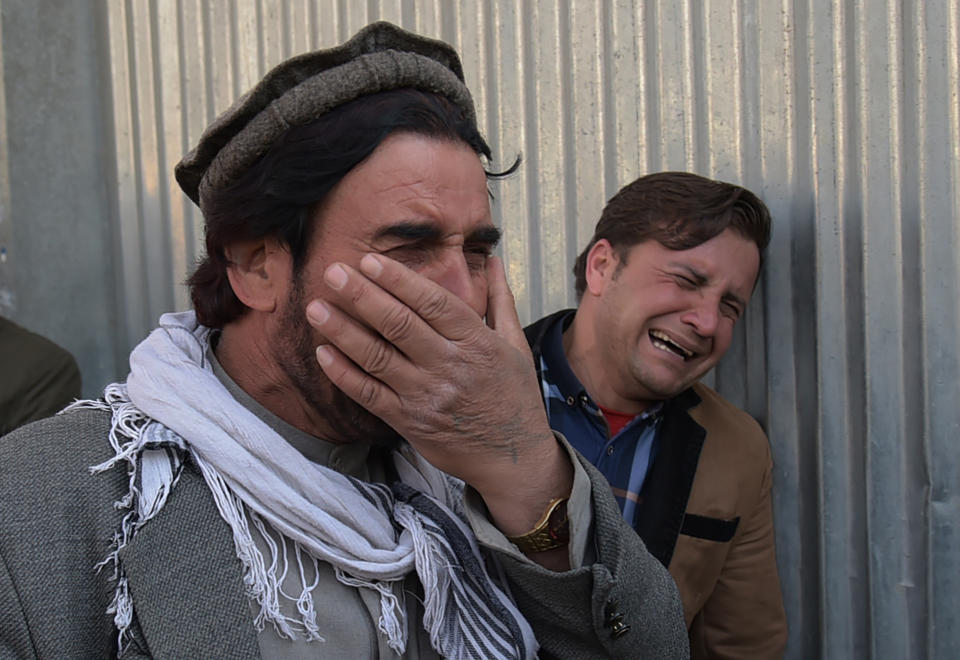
(731, 311)
(476, 259)
(409, 255)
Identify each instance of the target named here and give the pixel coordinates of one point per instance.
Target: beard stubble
(294, 351)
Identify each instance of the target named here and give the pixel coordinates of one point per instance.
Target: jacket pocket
(711, 529)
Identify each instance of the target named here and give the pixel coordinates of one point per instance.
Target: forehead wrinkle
(427, 198)
(420, 191)
(428, 202)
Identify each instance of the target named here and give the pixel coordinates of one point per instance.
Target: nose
(704, 316)
(453, 274)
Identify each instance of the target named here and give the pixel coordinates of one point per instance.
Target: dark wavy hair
(278, 196)
(680, 211)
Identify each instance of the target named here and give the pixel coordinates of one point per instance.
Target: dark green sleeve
(38, 378)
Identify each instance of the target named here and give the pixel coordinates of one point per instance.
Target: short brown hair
(680, 211)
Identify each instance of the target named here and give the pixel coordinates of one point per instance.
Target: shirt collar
(560, 374)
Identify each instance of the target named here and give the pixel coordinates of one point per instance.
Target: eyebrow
(429, 231)
(702, 279)
(488, 235)
(410, 230)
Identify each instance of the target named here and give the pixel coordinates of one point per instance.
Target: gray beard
(294, 351)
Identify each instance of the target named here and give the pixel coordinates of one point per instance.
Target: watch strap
(551, 531)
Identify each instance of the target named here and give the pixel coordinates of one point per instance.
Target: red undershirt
(616, 420)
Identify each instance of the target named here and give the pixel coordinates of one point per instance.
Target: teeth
(664, 343)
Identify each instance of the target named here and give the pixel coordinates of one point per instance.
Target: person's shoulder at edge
(34, 350)
(40, 377)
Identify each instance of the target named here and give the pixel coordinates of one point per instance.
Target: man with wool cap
(316, 460)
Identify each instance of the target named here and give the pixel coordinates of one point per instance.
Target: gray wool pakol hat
(380, 57)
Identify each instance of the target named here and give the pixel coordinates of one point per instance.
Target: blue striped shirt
(625, 458)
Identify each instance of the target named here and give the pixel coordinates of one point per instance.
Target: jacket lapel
(186, 580)
(670, 479)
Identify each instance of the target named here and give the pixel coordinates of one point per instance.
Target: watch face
(551, 532)
(558, 525)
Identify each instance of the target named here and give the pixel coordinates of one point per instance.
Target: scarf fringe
(129, 439)
(436, 582)
(372, 535)
(131, 435)
(264, 582)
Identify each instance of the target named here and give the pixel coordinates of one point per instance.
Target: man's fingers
(364, 348)
(375, 307)
(367, 391)
(439, 308)
(501, 306)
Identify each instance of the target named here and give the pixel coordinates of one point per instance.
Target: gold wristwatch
(551, 531)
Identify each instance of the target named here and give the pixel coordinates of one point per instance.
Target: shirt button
(610, 450)
(570, 401)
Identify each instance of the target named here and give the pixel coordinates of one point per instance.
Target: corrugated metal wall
(842, 115)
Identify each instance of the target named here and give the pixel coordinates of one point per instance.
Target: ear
(259, 272)
(602, 262)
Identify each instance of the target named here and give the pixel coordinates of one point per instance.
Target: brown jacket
(706, 515)
(729, 584)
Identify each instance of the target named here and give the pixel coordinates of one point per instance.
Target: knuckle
(397, 325)
(432, 306)
(358, 291)
(368, 394)
(378, 358)
(442, 396)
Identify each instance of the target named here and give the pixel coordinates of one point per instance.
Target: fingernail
(371, 266)
(317, 312)
(324, 356)
(336, 276)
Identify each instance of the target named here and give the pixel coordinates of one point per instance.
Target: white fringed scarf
(173, 406)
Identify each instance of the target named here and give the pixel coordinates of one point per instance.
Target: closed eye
(478, 247)
(419, 254)
(476, 256)
(731, 310)
(412, 255)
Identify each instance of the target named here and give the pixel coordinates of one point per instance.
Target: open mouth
(664, 343)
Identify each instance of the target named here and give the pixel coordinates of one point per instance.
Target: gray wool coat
(56, 521)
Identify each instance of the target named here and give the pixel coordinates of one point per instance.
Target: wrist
(524, 493)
